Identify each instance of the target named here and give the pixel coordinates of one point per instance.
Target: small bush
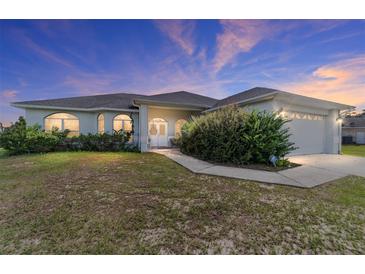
(118, 141)
(232, 135)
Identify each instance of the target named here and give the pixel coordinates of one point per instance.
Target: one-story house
(155, 120)
(353, 130)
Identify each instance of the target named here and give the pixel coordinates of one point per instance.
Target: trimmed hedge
(20, 139)
(232, 135)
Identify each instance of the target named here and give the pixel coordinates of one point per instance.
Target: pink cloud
(341, 81)
(238, 36)
(9, 93)
(180, 32)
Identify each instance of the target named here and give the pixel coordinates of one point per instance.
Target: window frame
(71, 132)
(123, 122)
(98, 125)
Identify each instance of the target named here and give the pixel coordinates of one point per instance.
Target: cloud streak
(238, 36)
(180, 32)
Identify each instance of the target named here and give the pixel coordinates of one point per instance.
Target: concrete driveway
(347, 165)
(310, 174)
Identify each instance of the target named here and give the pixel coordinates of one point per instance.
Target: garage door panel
(308, 136)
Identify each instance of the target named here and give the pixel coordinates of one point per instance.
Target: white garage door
(308, 133)
(360, 138)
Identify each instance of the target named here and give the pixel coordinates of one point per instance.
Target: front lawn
(355, 150)
(130, 203)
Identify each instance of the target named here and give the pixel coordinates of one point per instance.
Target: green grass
(356, 150)
(130, 203)
(3, 153)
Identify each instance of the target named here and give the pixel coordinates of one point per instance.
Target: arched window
(178, 125)
(122, 121)
(101, 123)
(63, 121)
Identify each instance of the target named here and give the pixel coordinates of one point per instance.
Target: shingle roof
(183, 97)
(123, 100)
(245, 95)
(118, 100)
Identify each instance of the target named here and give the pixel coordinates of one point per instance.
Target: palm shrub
(232, 135)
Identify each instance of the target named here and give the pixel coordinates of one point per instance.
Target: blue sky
(41, 59)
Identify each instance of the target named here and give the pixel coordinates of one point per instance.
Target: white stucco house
(156, 119)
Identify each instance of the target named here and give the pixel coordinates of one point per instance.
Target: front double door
(157, 132)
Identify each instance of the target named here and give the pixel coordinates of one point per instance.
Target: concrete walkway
(305, 176)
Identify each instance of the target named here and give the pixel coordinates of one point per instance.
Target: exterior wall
(261, 106)
(333, 133)
(87, 120)
(170, 115)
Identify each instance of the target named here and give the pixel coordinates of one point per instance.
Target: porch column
(143, 127)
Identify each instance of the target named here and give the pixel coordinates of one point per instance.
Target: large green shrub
(20, 139)
(232, 135)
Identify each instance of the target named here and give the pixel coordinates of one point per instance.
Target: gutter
(70, 108)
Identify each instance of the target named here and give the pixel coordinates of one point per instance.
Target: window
(178, 126)
(122, 121)
(292, 115)
(62, 121)
(100, 123)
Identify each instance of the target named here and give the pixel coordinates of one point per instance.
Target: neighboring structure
(353, 130)
(156, 119)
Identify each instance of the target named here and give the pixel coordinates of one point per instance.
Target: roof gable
(245, 95)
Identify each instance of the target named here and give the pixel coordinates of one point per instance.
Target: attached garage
(314, 123)
(308, 133)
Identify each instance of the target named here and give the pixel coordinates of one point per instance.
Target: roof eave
(308, 101)
(260, 98)
(25, 106)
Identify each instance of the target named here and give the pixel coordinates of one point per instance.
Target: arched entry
(157, 132)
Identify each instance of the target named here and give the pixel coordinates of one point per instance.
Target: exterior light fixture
(339, 120)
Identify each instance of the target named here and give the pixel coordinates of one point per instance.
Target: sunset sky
(41, 59)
